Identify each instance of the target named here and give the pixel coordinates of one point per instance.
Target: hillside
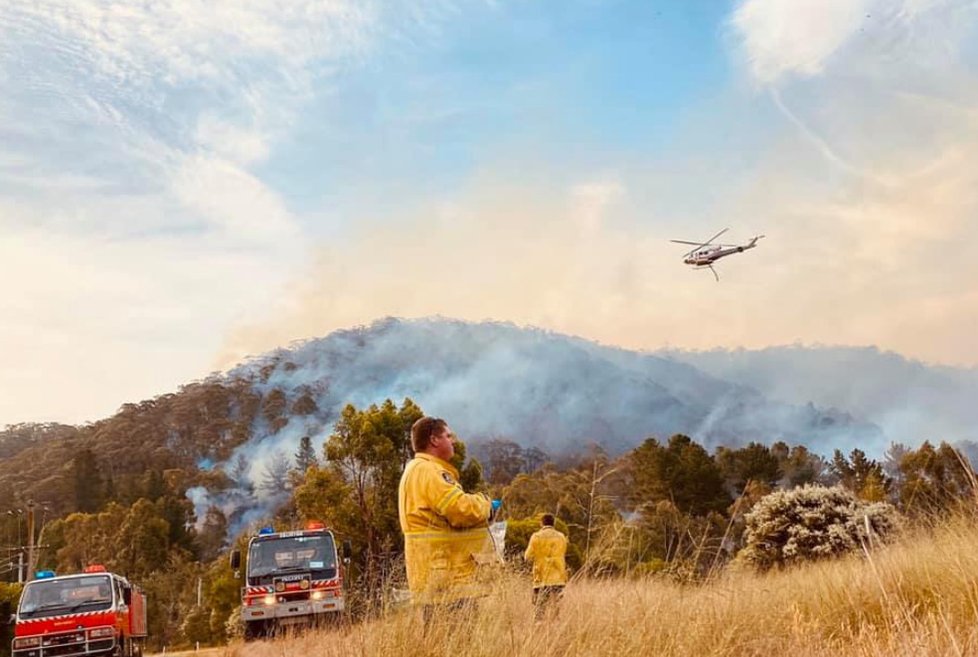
(490, 380)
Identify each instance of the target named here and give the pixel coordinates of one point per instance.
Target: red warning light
(94, 568)
(315, 524)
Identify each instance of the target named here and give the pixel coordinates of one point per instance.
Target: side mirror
(347, 551)
(235, 559)
(127, 596)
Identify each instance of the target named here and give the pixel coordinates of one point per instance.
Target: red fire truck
(291, 578)
(91, 613)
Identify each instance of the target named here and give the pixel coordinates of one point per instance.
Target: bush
(813, 522)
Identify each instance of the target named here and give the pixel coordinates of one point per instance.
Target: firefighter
(446, 535)
(547, 550)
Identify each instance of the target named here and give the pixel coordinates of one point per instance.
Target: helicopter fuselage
(706, 257)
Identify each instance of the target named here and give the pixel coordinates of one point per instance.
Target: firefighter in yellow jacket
(446, 535)
(547, 550)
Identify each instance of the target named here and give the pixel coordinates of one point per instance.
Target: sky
(186, 183)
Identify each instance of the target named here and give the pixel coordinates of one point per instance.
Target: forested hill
(490, 380)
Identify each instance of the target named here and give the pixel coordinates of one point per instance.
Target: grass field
(918, 598)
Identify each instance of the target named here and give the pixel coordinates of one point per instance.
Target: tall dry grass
(917, 598)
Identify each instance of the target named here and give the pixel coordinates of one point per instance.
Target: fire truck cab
(291, 578)
(92, 613)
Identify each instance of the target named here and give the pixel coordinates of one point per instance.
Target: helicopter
(706, 253)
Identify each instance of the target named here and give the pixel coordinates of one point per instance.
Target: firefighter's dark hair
(423, 430)
(547, 520)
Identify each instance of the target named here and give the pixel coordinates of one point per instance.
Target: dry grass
(203, 652)
(918, 598)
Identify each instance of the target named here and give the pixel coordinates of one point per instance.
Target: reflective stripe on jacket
(446, 535)
(547, 550)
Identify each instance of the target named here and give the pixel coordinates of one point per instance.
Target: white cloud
(233, 200)
(237, 143)
(137, 223)
(784, 37)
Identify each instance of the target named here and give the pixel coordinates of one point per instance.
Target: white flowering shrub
(813, 522)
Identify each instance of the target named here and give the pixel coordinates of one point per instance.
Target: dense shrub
(813, 522)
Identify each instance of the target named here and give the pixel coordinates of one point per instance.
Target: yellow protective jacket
(446, 535)
(547, 549)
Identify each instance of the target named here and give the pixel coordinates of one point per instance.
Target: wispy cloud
(137, 219)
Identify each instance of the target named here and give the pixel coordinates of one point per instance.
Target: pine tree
(306, 456)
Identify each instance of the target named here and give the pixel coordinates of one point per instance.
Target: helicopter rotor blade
(714, 237)
(701, 244)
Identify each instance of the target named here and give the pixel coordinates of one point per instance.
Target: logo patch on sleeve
(447, 477)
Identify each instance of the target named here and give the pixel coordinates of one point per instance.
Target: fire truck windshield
(292, 554)
(53, 597)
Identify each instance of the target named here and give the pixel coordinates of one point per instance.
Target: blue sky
(580, 83)
(185, 183)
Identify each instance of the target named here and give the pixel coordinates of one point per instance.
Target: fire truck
(92, 613)
(291, 578)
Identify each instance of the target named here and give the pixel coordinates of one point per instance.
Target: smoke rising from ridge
(494, 380)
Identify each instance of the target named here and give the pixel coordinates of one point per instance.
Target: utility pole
(20, 565)
(30, 538)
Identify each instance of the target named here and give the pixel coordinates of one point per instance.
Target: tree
(153, 485)
(306, 456)
(534, 459)
(89, 487)
(504, 460)
(240, 468)
(755, 462)
(798, 465)
(213, 534)
(862, 475)
(936, 480)
(680, 472)
(275, 479)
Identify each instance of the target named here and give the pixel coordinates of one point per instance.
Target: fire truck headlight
(101, 633)
(316, 595)
(27, 642)
(269, 599)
